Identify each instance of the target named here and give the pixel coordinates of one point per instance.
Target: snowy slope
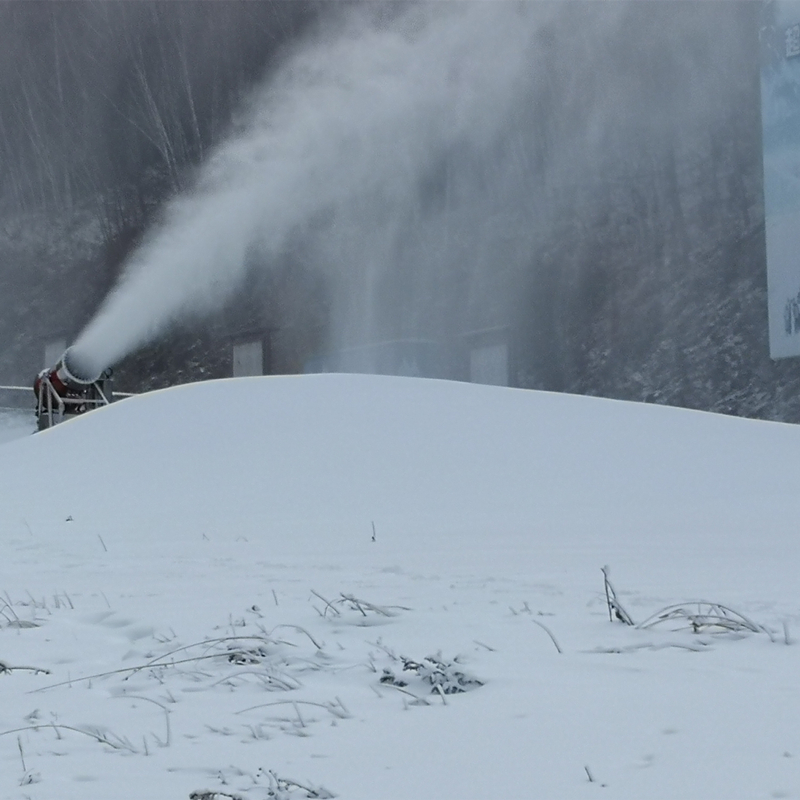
(160, 531)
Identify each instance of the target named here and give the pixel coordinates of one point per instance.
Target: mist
(437, 160)
(332, 153)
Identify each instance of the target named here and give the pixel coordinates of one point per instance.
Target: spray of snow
(335, 145)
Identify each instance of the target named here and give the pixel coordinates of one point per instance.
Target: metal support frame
(52, 408)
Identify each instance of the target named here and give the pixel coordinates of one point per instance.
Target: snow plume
(334, 148)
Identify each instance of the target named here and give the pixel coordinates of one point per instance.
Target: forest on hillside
(614, 222)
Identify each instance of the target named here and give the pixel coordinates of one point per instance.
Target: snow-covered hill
(346, 523)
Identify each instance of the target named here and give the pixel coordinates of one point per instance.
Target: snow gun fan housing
(69, 389)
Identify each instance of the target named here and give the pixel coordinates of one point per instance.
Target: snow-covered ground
(215, 590)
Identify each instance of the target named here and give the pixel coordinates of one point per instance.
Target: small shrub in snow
(444, 677)
(287, 789)
(276, 788)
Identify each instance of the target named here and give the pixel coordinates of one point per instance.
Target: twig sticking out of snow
(282, 788)
(701, 615)
(418, 701)
(363, 606)
(299, 630)
(235, 655)
(337, 709)
(329, 606)
(615, 608)
(7, 611)
(168, 740)
(269, 681)
(115, 742)
(548, 632)
(695, 647)
(173, 663)
(7, 668)
(356, 604)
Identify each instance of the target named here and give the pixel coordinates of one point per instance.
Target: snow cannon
(69, 389)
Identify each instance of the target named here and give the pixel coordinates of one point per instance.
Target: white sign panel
(248, 359)
(793, 41)
(780, 113)
(489, 364)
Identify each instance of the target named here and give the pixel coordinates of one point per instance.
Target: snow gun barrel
(68, 389)
(67, 375)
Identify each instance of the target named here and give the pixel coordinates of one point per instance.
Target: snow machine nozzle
(69, 388)
(73, 371)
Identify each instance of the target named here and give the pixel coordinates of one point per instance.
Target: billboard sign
(780, 115)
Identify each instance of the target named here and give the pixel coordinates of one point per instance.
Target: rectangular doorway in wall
(488, 363)
(248, 358)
